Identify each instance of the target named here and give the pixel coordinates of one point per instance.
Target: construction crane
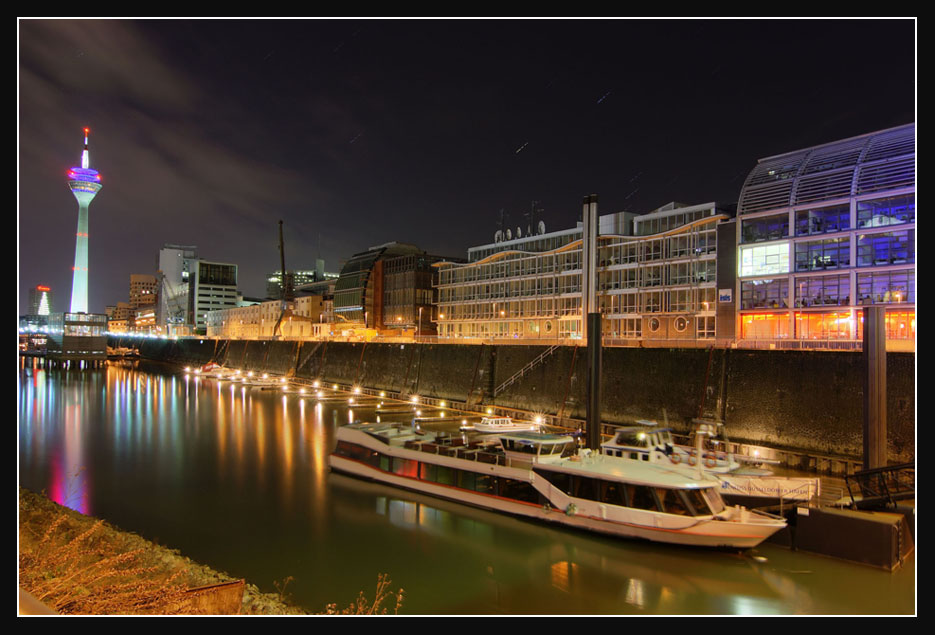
(287, 293)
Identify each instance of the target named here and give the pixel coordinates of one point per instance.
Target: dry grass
(363, 606)
(76, 572)
(76, 565)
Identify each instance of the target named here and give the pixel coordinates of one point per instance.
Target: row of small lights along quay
(318, 391)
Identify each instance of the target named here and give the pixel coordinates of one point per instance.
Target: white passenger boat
(495, 425)
(545, 477)
(741, 479)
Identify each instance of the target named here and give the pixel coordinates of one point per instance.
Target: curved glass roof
(874, 162)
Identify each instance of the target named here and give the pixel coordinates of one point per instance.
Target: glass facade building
(656, 280)
(824, 232)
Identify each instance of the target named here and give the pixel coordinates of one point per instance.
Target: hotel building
(824, 232)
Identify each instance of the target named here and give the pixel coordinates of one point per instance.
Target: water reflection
(237, 477)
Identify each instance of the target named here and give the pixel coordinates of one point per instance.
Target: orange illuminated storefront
(838, 325)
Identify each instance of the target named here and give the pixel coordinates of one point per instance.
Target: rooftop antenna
(502, 233)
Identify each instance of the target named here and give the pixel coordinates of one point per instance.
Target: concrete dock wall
(797, 400)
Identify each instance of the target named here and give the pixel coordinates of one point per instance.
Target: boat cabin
(538, 447)
(638, 442)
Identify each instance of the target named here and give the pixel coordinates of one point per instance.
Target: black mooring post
(875, 454)
(594, 381)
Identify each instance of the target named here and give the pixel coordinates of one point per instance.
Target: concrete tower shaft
(84, 183)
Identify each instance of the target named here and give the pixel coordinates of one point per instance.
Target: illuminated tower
(84, 183)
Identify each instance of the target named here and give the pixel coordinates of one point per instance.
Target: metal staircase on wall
(882, 486)
(528, 367)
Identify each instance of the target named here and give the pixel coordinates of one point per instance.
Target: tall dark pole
(592, 321)
(875, 454)
(286, 294)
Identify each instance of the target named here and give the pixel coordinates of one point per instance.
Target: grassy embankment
(79, 565)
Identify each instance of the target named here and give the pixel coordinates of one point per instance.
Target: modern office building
(212, 286)
(143, 290)
(655, 278)
(824, 232)
(84, 183)
(409, 294)
(175, 264)
(300, 279)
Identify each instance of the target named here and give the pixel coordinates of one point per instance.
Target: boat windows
(696, 502)
(357, 453)
(633, 439)
(518, 490)
(641, 497)
(671, 502)
(586, 488)
(445, 475)
(613, 493)
(405, 467)
(466, 479)
(559, 480)
(519, 445)
(715, 502)
(485, 483)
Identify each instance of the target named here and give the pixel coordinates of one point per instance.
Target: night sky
(360, 132)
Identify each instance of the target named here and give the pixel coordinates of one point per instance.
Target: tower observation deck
(84, 183)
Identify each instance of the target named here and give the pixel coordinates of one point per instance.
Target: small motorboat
(494, 425)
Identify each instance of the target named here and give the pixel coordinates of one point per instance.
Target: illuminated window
(823, 326)
(765, 326)
(821, 221)
(822, 291)
(887, 211)
(889, 248)
(764, 260)
(764, 294)
(823, 254)
(887, 287)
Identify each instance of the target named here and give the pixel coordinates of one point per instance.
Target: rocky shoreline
(37, 514)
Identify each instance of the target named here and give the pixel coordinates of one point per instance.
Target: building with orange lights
(655, 277)
(823, 232)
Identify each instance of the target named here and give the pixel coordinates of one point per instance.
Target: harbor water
(236, 477)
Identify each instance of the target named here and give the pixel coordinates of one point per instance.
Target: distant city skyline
(360, 132)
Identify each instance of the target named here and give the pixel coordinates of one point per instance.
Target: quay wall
(801, 401)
